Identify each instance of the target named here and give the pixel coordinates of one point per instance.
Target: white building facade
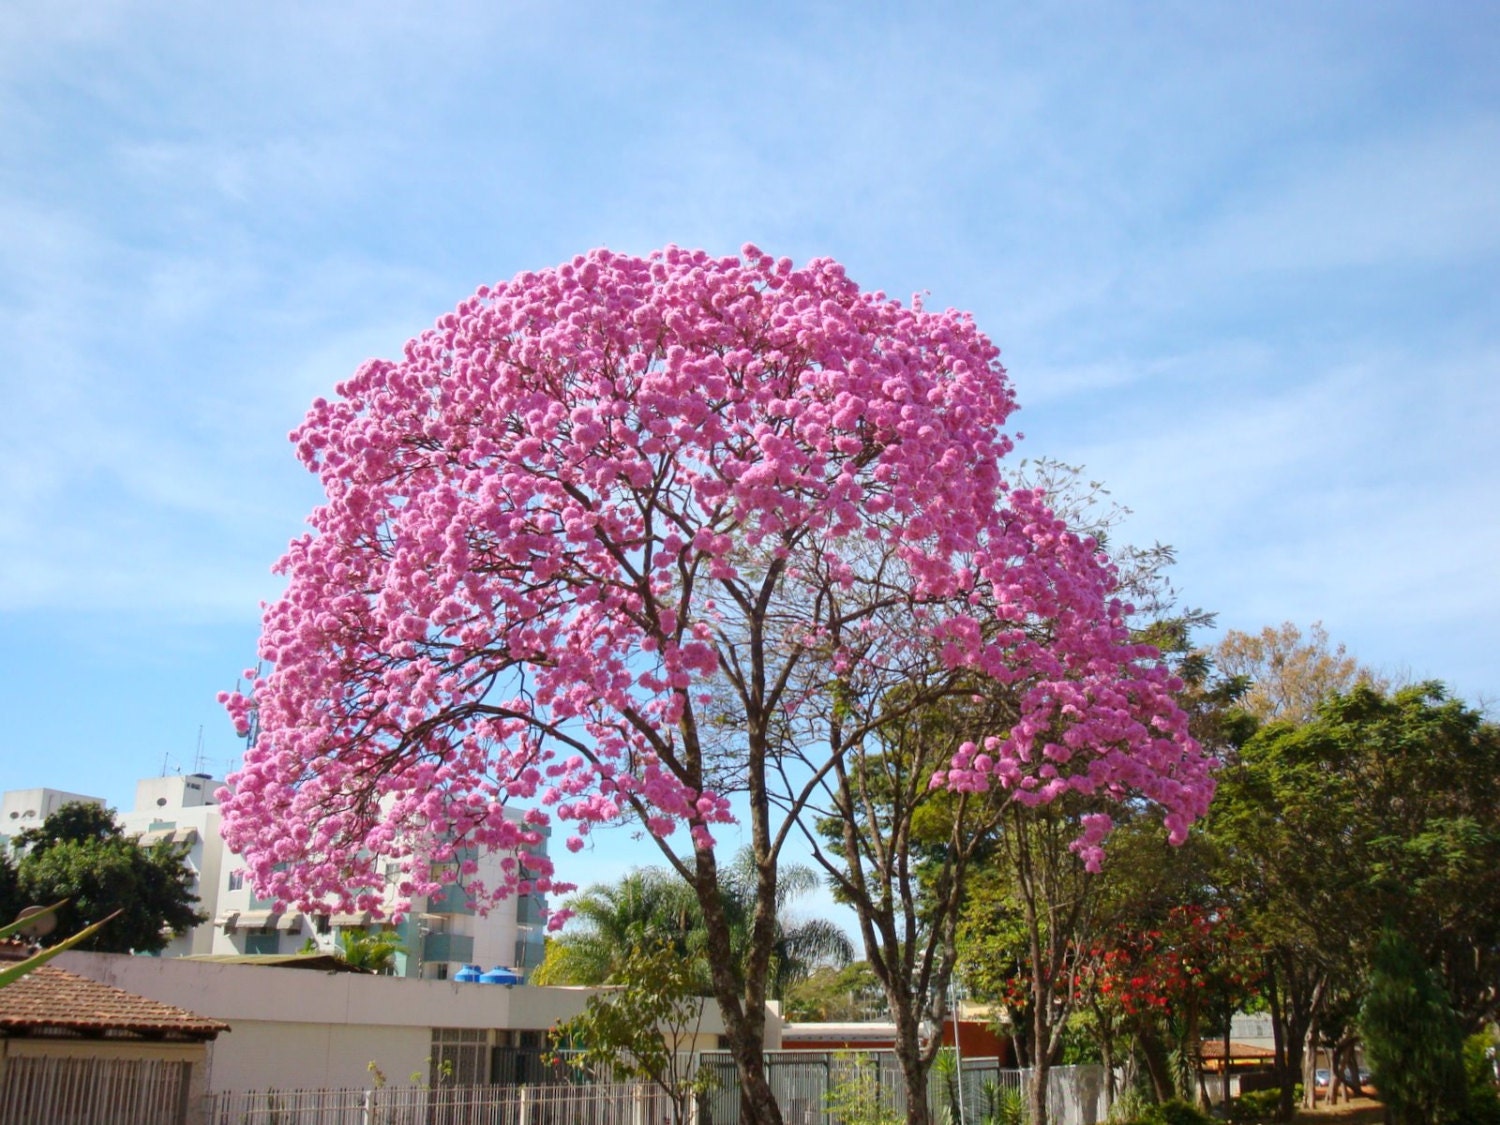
(441, 935)
(438, 937)
(21, 809)
(183, 809)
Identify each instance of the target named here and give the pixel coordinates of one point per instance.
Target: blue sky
(1243, 263)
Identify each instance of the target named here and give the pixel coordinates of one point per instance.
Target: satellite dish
(43, 926)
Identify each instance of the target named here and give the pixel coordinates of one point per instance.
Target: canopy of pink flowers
(555, 525)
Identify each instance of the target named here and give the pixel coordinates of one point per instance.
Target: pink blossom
(548, 527)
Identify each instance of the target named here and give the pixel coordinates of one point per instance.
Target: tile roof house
(50, 1001)
(105, 1054)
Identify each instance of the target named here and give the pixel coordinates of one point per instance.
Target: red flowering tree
(608, 533)
(1166, 981)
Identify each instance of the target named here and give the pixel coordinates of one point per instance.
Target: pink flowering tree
(620, 540)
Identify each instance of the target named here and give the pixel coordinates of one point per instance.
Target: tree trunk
(757, 1103)
(1279, 1062)
(1020, 1040)
(741, 1003)
(1302, 1001)
(1310, 1065)
(1158, 1067)
(1191, 1056)
(914, 1070)
(1041, 1063)
(1224, 1070)
(1107, 1053)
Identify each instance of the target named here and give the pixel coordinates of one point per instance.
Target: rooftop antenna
(198, 760)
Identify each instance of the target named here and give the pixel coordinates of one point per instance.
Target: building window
(263, 943)
(237, 880)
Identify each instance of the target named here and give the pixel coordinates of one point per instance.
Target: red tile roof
(1214, 1049)
(53, 999)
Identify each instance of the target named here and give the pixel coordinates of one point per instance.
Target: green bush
(1483, 1105)
(855, 1096)
(1174, 1112)
(1413, 1044)
(1005, 1105)
(1257, 1105)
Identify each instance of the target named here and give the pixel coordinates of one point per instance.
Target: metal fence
(801, 1082)
(604, 1104)
(85, 1091)
(966, 1094)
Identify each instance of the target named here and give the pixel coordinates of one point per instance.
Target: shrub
(1006, 1105)
(1256, 1105)
(1174, 1112)
(1483, 1107)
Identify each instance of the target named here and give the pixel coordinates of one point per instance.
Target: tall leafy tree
(899, 844)
(897, 848)
(80, 854)
(1288, 674)
(1384, 809)
(619, 537)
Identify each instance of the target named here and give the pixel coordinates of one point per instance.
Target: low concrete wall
(297, 1028)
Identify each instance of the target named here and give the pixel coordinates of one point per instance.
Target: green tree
(372, 950)
(837, 995)
(80, 854)
(1101, 953)
(901, 853)
(11, 902)
(646, 1028)
(898, 851)
(652, 908)
(1412, 1039)
(1384, 807)
(648, 908)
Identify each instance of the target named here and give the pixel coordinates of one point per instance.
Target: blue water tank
(469, 974)
(499, 975)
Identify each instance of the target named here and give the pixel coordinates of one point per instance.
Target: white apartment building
(21, 809)
(183, 809)
(439, 937)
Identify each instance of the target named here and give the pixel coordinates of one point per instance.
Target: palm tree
(649, 907)
(653, 907)
(800, 946)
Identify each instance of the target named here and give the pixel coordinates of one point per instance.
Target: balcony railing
(448, 947)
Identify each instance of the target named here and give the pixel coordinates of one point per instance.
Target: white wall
(186, 802)
(296, 1027)
(260, 1054)
(21, 809)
